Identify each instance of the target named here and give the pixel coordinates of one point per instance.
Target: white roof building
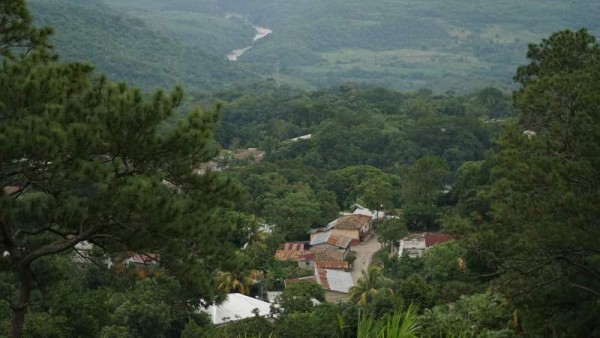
(236, 307)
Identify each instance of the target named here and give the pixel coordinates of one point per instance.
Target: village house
(415, 244)
(355, 227)
(376, 216)
(309, 257)
(328, 239)
(298, 252)
(336, 283)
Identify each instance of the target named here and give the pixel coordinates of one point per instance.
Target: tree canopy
(85, 159)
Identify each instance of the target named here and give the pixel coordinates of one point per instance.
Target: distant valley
(405, 45)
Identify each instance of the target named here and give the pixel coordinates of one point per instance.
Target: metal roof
(236, 307)
(328, 237)
(335, 280)
(320, 238)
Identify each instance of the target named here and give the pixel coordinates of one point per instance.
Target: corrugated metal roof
(328, 237)
(320, 238)
(335, 280)
(340, 241)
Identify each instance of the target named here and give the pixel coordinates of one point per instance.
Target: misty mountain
(403, 44)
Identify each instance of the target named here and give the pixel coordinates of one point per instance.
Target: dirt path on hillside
(364, 255)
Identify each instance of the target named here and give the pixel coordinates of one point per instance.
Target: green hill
(404, 44)
(127, 48)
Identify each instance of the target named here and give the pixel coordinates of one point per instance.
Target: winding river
(261, 32)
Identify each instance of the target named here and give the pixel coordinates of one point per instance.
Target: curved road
(364, 254)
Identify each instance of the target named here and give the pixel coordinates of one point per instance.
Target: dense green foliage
(87, 160)
(359, 125)
(536, 223)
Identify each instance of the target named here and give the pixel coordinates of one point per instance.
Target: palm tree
(236, 281)
(400, 324)
(371, 284)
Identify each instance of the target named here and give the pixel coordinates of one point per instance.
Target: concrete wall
(334, 296)
(307, 265)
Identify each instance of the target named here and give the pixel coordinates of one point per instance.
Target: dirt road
(364, 254)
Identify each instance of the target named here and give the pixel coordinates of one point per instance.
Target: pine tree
(84, 159)
(543, 239)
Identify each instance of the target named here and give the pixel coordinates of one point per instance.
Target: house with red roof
(415, 244)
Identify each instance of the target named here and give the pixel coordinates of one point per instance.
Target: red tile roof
(291, 255)
(332, 265)
(294, 246)
(433, 238)
(327, 254)
(352, 222)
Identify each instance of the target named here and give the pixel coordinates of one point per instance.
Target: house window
(307, 263)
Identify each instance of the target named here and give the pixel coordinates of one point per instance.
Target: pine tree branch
(58, 246)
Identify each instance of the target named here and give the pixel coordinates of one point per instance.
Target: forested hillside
(352, 125)
(406, 45)
(128, 48)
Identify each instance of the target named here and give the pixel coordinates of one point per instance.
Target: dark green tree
(293, 215)
(422, 185)
(84, 159)
(543, 239)
(16, 30)
(299, 297)
(391, 231)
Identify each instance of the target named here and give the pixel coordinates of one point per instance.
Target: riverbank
(261, 32)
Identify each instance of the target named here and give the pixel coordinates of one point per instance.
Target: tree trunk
(20, 306)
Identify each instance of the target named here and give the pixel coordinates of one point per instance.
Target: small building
(236, 307)
(337, 284)
(251, 155)
(415, 244)
(376, 216)
(305, 259)
(298, 252)
(356, 227)
(328, 239)
(142, 261)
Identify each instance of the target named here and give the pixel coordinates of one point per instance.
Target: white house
(415, 244)
(236, 307)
